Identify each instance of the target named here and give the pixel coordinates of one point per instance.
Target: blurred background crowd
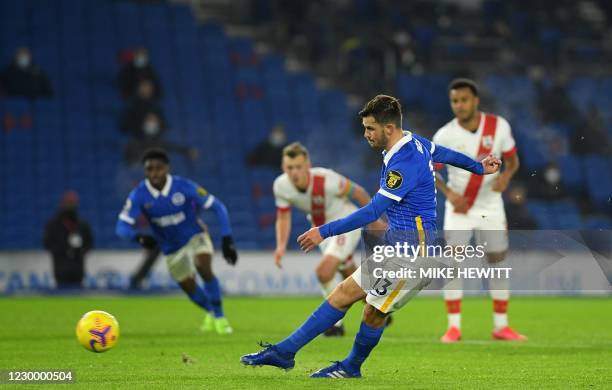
(86, 86)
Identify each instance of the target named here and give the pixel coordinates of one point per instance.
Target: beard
(381, 143)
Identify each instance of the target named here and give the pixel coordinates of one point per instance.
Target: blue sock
(200, 299)
(365, 341)
(325, 316)
(213, 290)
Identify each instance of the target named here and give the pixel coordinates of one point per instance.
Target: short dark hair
(384, 109)
(155, 154)
(294, 150)
(464, 83)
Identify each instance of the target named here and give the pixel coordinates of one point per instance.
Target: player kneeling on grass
(407, 195)
(323, 195)
(171, 204)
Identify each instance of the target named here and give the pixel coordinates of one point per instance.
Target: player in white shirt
(474, 204)
(324, 196)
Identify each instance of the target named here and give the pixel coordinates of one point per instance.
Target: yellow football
(97, 331)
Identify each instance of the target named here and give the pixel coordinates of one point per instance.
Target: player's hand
(278, 257)
(229, 251)
(501, 184)
(460, 203)
(146, 241)
(310, 239)
(491, 164)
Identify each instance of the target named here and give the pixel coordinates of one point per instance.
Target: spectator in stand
(135, 71)
(591, 137)
(150, 135)
(23, 78)
(550, 188)
(144, 103)
(518, 216)
(68, 238)
(269, 152)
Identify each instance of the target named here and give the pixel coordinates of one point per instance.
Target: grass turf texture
(160, 346)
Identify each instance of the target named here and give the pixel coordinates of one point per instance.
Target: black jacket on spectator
(68, 238)
(133, 116)
(28, 82)
(131, 75)
(266, 154)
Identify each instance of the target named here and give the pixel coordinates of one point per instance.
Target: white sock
(454, 320)
(500, 320)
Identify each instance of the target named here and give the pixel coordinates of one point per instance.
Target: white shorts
(388, 295)
(180, 263)
(342, 246)
(488, 229)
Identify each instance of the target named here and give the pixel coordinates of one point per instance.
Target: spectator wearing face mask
(547, 186)
(133, 117)
(269, 152)
(23, 78)
(68, 238)
(150, 134)
(135, 71)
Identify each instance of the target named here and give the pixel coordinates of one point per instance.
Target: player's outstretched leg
(367, 338)
(326, 274)
(218, 322)
(282, 355)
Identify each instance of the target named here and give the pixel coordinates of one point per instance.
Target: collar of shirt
(398, 145)
(165, 191)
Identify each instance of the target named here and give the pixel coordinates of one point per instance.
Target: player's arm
(209, 202)
(283, 230)
(443, 155)
(354, 192)
(359, 218)
(511, 166)
(125, 227)
(458, 201)
(358, 195)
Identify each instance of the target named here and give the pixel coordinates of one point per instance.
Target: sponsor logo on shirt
(169, 220)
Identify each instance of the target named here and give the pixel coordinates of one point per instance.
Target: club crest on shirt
(487, 141)
(318, 199)
(178, 199)
(393, 180)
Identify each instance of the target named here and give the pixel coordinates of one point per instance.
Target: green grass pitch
(570, 344)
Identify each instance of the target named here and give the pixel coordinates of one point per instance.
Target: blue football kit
(172, 212)
(407, 190)
(407, 193)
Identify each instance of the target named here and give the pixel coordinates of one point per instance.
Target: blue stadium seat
(598, 171)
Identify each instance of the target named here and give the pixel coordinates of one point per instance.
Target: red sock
(500, 306)
(453, 306)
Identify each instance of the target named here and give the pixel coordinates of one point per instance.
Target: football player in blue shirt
(171, 204)
(407, 194)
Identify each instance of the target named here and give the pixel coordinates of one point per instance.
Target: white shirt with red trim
(493, 136)
(326, 198)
